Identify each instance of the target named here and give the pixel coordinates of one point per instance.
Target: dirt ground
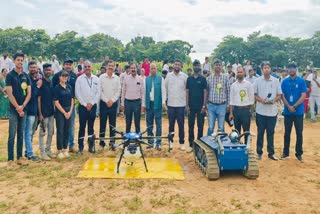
(52, 187)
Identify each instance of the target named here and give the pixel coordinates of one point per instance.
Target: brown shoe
(10, 164)
(72, 150)
(22, 162)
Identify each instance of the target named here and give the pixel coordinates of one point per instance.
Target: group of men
(31, 100)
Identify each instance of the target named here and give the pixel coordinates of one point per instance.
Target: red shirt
(146, 67)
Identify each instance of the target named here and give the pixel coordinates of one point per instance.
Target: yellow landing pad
(159, 168)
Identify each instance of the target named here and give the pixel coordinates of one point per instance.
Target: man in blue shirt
(294, 92)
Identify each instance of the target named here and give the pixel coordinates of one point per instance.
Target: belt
(133, 100)
(242, 107)
(217, 103)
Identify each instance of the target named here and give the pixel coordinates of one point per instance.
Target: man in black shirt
(68, 66)
(19, 93)
(46, 113)
(196, 101)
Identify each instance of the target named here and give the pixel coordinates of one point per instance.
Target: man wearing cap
(154, 100)
(46, 113)
(241, 102)
(176, 92)
(87, 91)
(68, 66)
(131, 98)
(294, 91)
(218, 97)
(315, 93)
(267, 92)
(196, 102)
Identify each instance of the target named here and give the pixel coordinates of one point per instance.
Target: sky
(202, 23)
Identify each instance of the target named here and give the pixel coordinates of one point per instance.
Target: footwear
(34, 159)
(71, 149)
(45, 157)
(150, 146)
(10, 164)
(22, 162)
(182, 147)
(299, 157)
(284, 157)
(189, 149)
(91, 147)
(80, 152)
(171, 145)
(60, 155)
(272, 157)
(259, 156)
(51, 155)
(112, 146)
(158, 147)
(66, 154)
(101, 148)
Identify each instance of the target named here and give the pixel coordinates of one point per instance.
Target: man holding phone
(267, 92)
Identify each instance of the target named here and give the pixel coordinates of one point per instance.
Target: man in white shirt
(176, 92)
(315, 93)
(55, 64)
(6, 62)
(235, 66)
(87, 91)
(267, 92)
(206, 65)
(110, 89)
(153, 101)
(251, 77)
(40, 63)
(241, 102)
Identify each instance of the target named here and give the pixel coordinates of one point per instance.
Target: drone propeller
(116, 130)
(90, 136)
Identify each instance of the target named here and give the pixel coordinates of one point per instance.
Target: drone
(131, 144)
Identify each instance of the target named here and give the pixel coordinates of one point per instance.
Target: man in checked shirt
(218, 97)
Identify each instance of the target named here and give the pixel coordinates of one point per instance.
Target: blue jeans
(71, 128)
(154, 115)
(29, 129)
(16, 125)
(216, 112)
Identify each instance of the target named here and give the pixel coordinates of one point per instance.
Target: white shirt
(87, 89)
(241, 94)
(5, 63)
(251, 79)
(315, 90)
(262, 88)
(234, 68)
(176, 89)
(163, 92)
(206, 66)
(55, 66)
(110, 87)
(123, 75)
(247, 68)
(40, 65)
(165, 67)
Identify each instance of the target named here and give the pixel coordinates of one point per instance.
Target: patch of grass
(275, 204)
(236, 203)
(133, 204)
(160, 202)
(257, 205)
(87, 210)
(135, 185)
(3, 206)
(180, 210)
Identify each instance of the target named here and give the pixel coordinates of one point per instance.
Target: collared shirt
(64, 96)
(251, 79)
(263, 88)
(55, 66)
(163, 92)
(17, 82)
(5, 63)
(122, 76)
(292, 90)
(176, 89)
(110, 87)
(196, 87)
(315, 90)
(218, 89)
(241, 93)
(235, 67)
(132, 88)
(46, 94)
(71, 80)
(87, 90)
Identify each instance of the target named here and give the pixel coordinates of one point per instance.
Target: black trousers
(63, 130)
(297, 121)
(86, 117)
(265, 123)
(105, 113)
(195, 113)
(242, 119)
(177, 113)
(132, 108)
